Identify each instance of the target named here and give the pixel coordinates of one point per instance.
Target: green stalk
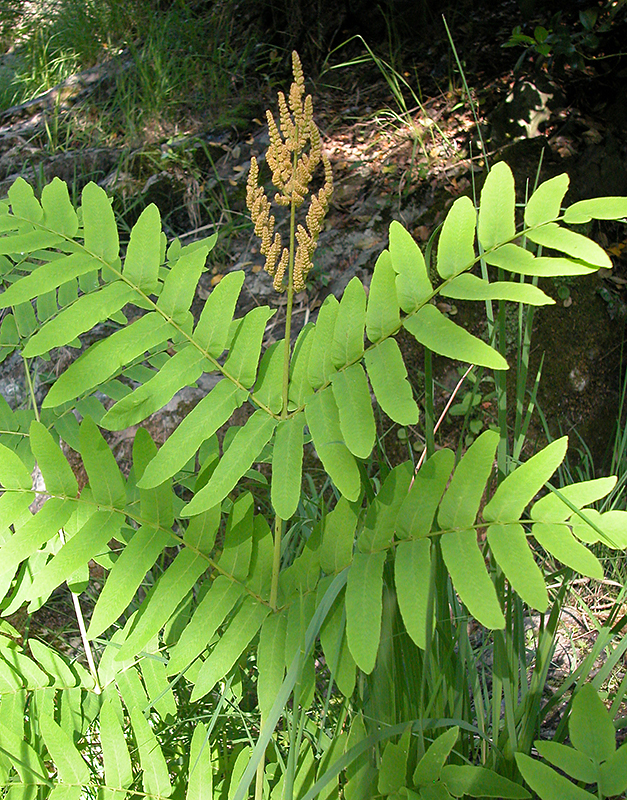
(429, 405)
(278, 522)
(500, 380)
(31, 389)
(288, 310)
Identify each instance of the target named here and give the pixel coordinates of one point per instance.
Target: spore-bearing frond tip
(294, 153)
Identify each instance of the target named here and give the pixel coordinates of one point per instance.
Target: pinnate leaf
(81, 316)
(521, 486)
(467, 569)
(238, 539)
(460, 504)
(241, 364)
(183, 369)
(161, 602)
(155, 777)
(429, 768)
(412, 571)
(439, 334)
(352, 396)
(210, 613)
(101, 232)
(13, 473)
(155, 504)
(287, 466)
(320, 362)
(324, 424)
(548, 784)
(393, 769)
(247, 444)
(199, 425)
(388, 377)
(180, 285)
(613, 773)
(348, 334)
(117, 762)
(418, 506)
(200, 778)
(126, 576)
(496, 210)
(573, 244)
(299, 390)
(56, 471)
(90, 541)
(47, 277)
(54, 664)
(212, 329)
(520, 261)
(552, 508)
(364, 590)
(29, 242)
(508, 543)
(233, 642)
(470, 287)
(105, 358)
(268, 388)
(592, 527)
(338, 537)
(456, 246)
(59, 213)
(271, 660)
(69, 763)
(382, 314)
(143, 255)
(413, 286)
(557, 540)
(574, 763)
(596, 208)
(480, 782)
(545, 203)
(39, 529)
(24, 204)
(379, 525)
(105, 479)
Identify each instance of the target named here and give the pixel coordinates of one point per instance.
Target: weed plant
(362, 634)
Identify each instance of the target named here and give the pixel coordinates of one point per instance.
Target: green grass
(177, 65)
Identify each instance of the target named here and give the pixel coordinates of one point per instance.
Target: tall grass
(173, 64)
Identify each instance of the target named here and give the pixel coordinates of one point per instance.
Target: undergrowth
(160, 67)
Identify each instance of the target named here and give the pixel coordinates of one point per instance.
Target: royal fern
(225, 586)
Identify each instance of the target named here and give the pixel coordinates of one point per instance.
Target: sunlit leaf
(456, 245)
(438, 333)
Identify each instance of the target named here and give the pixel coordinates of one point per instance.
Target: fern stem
(83, 631)
(290, 301)
(501, 392)
(31, 389)
(276, 562)
(429, 405)
(278, 522)
(259, 777)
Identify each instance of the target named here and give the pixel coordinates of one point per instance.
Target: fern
(226, 584)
